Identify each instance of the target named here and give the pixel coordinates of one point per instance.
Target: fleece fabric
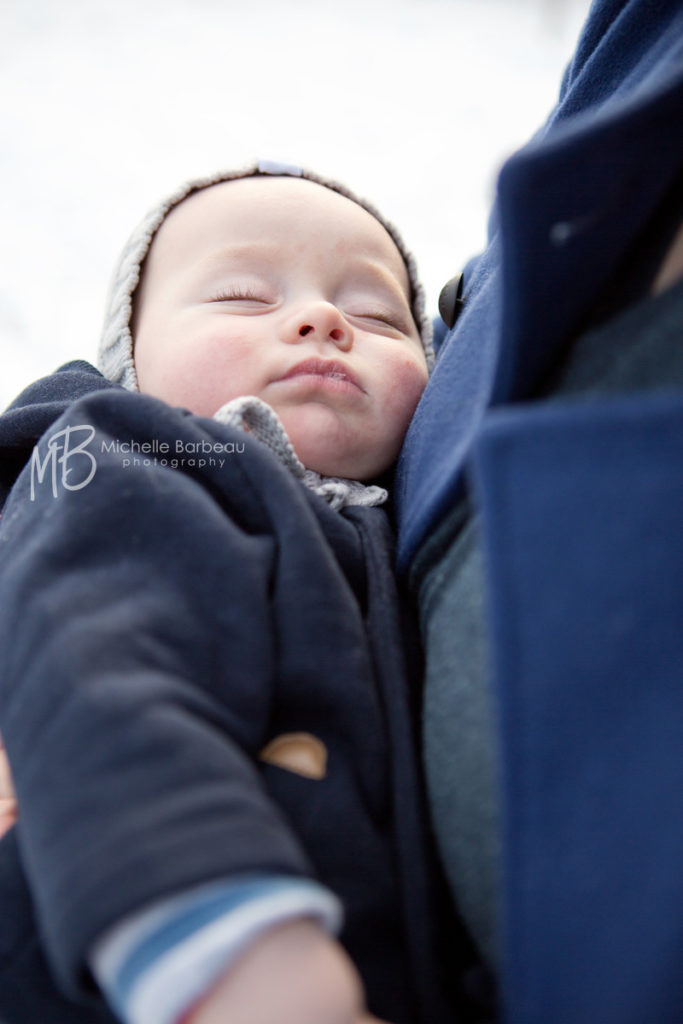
(164, 626)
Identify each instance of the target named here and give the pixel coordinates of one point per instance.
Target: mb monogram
(67, 458)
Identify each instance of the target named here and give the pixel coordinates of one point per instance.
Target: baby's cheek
(409, 379)
(201, 373)
(405, 381)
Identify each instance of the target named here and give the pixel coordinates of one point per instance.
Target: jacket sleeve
(136, 665)
(27, 991)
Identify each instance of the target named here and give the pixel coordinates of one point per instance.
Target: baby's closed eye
(380, 315)
(236, 293)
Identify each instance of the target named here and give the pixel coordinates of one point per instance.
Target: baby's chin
(328, 444)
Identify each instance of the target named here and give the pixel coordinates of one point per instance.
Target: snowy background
(106, 106)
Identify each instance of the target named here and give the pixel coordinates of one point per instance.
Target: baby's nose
(321, 321)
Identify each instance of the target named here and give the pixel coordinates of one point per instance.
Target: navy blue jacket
(160, 626)
(582, 509)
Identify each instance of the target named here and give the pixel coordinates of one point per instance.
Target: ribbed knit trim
(256, 417)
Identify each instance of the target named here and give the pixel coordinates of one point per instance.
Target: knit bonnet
(115, 355)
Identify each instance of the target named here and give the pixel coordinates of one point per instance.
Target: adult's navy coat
(160, 626)
(582, 509)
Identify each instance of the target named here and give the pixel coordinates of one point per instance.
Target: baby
(206, 635)
(284, 289)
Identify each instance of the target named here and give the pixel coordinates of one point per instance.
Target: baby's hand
(294, 974)
(8, 804)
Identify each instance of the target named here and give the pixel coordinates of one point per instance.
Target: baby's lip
(323, 368)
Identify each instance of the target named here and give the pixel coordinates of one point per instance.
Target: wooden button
(298, 752)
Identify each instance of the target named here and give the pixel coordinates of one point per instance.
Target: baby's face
(284, 289)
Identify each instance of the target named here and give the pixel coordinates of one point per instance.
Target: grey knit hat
(115, 355)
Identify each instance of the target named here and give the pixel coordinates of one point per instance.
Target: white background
(106, 106)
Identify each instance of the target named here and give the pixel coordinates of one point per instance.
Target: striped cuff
(155, 964)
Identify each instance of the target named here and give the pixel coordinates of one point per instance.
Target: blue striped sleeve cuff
(155, 964)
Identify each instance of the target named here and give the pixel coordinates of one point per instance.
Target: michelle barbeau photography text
(70, 461)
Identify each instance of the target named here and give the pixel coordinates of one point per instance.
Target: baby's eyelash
(390, 319)
(387, 318)
(232, 294)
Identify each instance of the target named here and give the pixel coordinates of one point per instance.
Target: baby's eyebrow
(379, 273)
